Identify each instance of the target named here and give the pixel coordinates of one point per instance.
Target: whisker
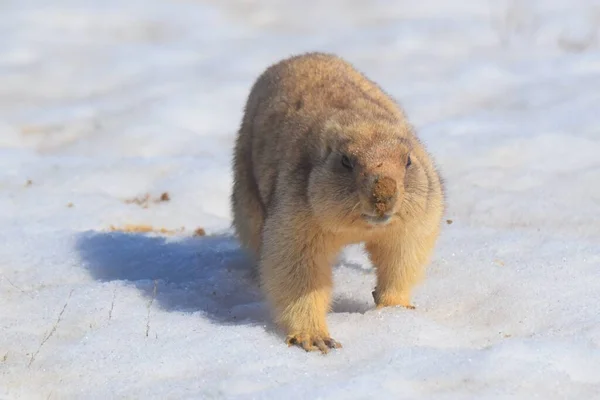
(354, 208)
(349, 213)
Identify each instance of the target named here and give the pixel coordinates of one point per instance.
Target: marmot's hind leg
(248, 213)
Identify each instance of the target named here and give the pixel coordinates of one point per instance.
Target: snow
(101, 102)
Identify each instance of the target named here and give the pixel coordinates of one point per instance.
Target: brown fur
(296, 203)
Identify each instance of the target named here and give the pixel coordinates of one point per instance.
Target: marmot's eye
(347, 163)
(408, 162)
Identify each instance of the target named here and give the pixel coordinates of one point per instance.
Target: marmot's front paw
(313, 342)
(391, 301)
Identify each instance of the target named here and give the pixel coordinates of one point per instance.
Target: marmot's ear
(329, 127)
(321, 148)
(325, 151)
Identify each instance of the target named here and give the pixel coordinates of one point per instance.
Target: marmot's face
(366, 179)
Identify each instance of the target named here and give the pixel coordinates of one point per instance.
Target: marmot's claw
(408, 306)
(313, 342)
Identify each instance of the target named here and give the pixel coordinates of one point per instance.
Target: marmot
(325, 158)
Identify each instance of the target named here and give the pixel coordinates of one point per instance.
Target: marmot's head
(368, 174)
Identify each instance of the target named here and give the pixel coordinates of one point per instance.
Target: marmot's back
(313, 85)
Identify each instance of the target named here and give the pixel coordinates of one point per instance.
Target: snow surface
(104, 101)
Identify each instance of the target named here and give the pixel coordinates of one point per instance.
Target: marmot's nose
(384, 194)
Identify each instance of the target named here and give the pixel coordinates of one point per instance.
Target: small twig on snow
(150, 305)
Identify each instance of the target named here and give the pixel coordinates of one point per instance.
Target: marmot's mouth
(377, 220)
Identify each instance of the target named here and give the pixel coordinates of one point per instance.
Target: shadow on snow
(210, 274)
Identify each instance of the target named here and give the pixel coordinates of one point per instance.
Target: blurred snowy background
(117, 120)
